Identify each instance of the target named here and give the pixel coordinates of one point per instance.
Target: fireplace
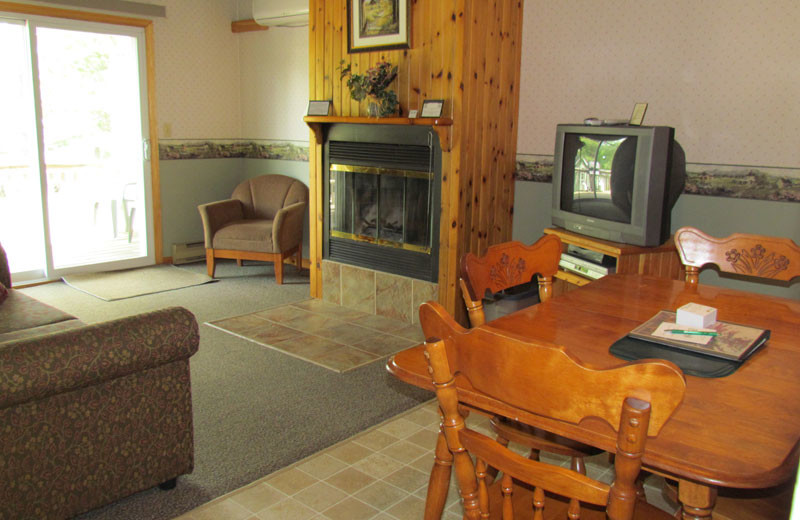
(382, 191)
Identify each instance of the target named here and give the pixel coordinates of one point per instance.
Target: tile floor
(335, 337)
(380, 474)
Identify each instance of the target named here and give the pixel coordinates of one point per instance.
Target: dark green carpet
(255, 410)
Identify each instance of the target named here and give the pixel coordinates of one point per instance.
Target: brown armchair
(263, 220)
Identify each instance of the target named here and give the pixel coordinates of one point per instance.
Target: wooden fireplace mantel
(431, 121)
(441, 125)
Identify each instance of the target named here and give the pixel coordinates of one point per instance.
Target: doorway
(75, 171)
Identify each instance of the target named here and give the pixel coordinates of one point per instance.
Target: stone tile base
(375, 292)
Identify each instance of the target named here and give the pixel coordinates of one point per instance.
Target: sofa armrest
(40, 367)
(287, 228)
(217, 214)
(5, 272)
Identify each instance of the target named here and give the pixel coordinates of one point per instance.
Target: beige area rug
(328, 335)
(117, 285)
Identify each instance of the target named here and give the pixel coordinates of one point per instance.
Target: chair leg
(300, 257)
(114, 217)
(130, 224)
(279, 270)
(210, 262)
(239, 262)
(439, 481)
(578, 464)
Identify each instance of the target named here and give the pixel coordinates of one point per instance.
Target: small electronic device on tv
(617, 183)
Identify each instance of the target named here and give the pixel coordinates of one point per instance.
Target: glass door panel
(21, 223)
(92, 146)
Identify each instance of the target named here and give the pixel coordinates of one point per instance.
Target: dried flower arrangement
(374, 84)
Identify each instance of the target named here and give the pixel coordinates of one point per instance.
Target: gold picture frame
(377, 25)
(638, 114)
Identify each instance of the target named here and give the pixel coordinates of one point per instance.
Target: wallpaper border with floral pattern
(715, 180)
(176, 149)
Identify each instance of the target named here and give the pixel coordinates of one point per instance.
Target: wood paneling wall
(466, 52)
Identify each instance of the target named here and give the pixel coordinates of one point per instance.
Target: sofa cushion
(20, 311)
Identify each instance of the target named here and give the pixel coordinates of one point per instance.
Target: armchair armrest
(287, 227)
(47, 365)
(217, 214)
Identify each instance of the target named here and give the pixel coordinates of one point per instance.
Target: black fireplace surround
(382, 195)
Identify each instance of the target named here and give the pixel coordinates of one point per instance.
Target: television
(617, 183)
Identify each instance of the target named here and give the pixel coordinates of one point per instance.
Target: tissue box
(696, 315)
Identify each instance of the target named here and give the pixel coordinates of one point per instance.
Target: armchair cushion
(245, 235)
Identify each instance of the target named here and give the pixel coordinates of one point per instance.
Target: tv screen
(597, 175)
(617, 183)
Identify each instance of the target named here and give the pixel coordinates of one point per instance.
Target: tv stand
(660, 260)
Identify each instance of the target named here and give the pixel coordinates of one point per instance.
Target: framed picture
(638, 114)
(432, 108)
(318, 108)
(377, 25)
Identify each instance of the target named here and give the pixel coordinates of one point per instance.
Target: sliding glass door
(74, 170)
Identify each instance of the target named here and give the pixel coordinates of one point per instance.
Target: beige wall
(214, 84)
(274, 83)
(724, 73)
(197, 70)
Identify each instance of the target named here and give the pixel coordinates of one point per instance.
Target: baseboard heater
(188, 253)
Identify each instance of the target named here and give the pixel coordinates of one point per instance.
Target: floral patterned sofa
(90, 413)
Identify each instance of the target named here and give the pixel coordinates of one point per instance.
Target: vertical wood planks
(466, 52)
(452, 164)
(337, 18)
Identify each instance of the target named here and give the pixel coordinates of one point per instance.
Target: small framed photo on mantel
(432, 108)
(318, 108)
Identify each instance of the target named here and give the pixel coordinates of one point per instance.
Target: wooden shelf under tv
(662, 261)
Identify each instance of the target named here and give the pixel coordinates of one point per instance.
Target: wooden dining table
(737, 431)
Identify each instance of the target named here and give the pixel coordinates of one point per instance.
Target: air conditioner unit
(281, 13)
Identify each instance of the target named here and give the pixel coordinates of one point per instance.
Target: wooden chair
(749, 255)
(636, 399)
(505, 266)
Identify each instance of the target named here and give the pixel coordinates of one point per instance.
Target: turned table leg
(697, 500)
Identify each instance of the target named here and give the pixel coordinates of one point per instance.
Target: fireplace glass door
(382, 185)
(385, 206)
